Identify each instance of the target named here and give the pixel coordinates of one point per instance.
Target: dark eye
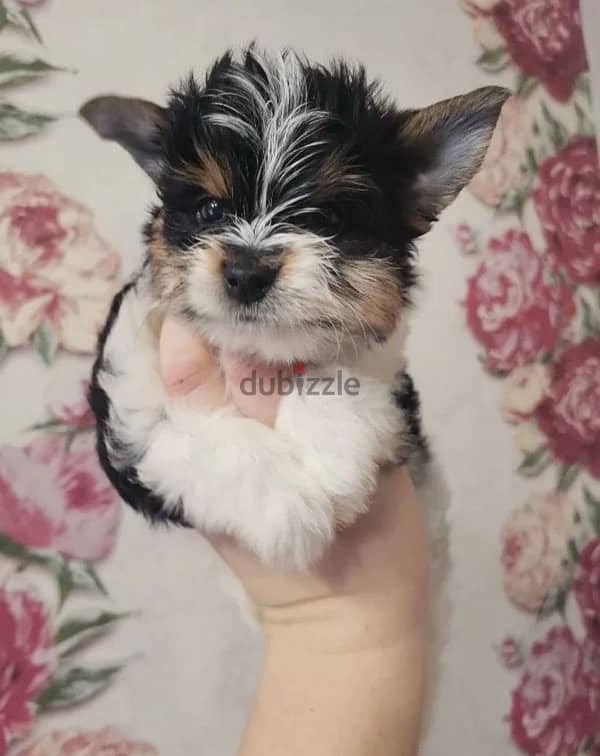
(331, 217)
(211, 211)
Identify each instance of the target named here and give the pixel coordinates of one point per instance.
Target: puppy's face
(290, 198)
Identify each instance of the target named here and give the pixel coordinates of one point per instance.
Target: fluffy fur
(281, 491)
(290, 198)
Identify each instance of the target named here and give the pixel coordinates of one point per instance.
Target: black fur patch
(350, 118)
(407, 399)
(125, 480)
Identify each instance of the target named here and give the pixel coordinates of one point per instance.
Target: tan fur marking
(373, 296)
(209, 174)
(167, 268)
(365, 301)
(339, 174)
(287, 261)
(214, 256)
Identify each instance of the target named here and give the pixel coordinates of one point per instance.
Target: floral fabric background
(532, 304)
(58, 514)
(118, 640)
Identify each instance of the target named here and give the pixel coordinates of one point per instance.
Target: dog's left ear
(134, 124)
(446, 143)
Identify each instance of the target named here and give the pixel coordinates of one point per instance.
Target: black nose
(247, 281)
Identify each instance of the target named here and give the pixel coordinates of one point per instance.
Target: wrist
(352, 693)
(348, 624)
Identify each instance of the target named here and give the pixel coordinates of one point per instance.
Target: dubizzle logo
(285, 384)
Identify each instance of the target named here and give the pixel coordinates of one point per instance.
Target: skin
(346, 647)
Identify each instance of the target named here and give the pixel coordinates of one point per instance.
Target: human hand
(378, 567)
(346, 641)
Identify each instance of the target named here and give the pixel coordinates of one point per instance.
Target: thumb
(188, 366)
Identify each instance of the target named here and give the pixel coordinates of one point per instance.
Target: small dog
(291, 195)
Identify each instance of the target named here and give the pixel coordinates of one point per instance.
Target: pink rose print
(66, 396)
(513, 310)
(107, 742)
(525, 388)
(27, 661)
(54, 267)
(545, 40)
(587, 589)
(553, 707)
(534, 546)
(484, 28)
(567, 200)
(591, 661)
(76, 414)
(570, 414)
(466, 239)
(510, 653)
(50, 498)
(501, 169)
(527, 437)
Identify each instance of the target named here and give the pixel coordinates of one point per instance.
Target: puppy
(290, 198)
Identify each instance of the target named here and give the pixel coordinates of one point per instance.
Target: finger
(254, 388)
(188, 366)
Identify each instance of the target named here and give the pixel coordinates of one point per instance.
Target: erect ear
(132, 123)
(447, 143)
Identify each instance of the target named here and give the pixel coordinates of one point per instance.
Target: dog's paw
(236, 476)
(292, 533)
(343, 440)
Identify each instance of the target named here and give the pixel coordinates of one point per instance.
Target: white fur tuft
(280, 491)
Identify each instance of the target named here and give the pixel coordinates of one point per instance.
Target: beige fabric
(192, 661)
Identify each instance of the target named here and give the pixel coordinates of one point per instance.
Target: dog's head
(291, 195)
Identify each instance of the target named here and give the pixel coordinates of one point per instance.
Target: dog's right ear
(134, 124)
